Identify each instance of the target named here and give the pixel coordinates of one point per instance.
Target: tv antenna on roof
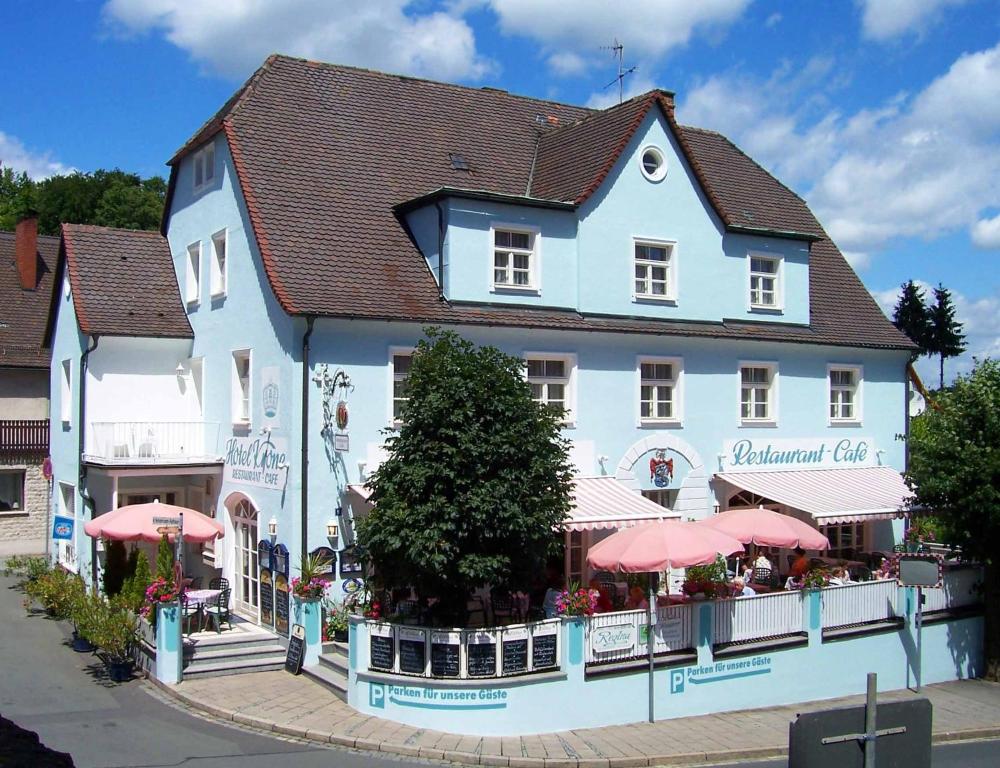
(618, 51)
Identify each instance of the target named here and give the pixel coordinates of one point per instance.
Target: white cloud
(567, 64)
(886, 19)
(634, 85)
(981, 321)
(38, 165)
(648, 28)
(232, 38)
(859, 260)
(917, 165)
(986, 233)
(773, 20)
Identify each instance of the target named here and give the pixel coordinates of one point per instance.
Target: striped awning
(604, 502)
(830, 495)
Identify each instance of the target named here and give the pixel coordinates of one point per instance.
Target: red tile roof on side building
(24, 311)
(326, 154)
(123, 282)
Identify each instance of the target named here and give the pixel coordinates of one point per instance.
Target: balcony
(153, 442)
(24, 436)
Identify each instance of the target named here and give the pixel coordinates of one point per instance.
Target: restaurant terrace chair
(217, 582)
(408, 611)
(502, 605)
(761, 576)
(217, 610)
(190, 610)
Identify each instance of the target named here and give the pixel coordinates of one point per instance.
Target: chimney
(26, 252)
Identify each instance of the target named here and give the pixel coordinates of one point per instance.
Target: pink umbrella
(767, 528)
(660, 545)
(141, 522)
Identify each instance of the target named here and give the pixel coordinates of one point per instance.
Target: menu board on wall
(544, 647)
(264, 555)
(350, 561)
(279, 559)
(329, 558)
(382, 652)
(446, 651)
(266, 598)
(412, 651)
(514, 656)
(481, 650)
(281, 604)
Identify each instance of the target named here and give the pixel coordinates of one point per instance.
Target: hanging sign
(750, 455)
(329, 560)
(264, 555)
(47, 468)
(62, 528)
(341, 442)
(279, 559)
(258, 461)
(342, 415)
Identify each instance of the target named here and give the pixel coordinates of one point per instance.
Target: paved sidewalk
(296, 706)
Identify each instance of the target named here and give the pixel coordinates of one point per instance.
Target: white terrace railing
(749, 618)
(623, 635)
(152, 442)
(961, 588)
(864, 603)
(518, 649)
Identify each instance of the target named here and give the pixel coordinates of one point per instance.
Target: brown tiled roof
(123, 282)
(323, 153)
(24, 313)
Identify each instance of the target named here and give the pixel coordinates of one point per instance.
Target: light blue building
(709, 342)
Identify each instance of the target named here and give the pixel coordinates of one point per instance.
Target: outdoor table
(836, 562)
(199, 598)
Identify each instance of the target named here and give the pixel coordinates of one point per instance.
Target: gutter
(87, 499)
(304, 502)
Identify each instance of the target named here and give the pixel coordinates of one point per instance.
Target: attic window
(653, 164)
(458, 162)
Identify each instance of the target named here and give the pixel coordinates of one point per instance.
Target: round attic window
(653, 163)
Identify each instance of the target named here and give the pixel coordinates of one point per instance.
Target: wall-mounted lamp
(181, 372)
(272, 527)
(265, 430)
(332, 529)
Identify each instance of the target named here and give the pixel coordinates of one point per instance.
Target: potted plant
(706, 582)
(160, 591)
(308, 585)
(80, 614)
(576, 601)
(921, 531)
(816, 578)
(335, 625)
(115, 635)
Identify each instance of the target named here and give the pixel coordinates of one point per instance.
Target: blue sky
(883, 114)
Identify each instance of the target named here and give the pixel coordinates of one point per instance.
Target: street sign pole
(920, 634)
(871, 709)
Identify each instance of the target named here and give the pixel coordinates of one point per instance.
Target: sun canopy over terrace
(765, 527)
(143, 522)
(604, 502)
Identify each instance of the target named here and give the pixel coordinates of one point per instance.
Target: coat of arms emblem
(661, 469)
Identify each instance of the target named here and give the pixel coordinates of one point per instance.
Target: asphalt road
(64, 696)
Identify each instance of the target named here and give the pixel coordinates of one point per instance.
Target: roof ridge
(11, 233)
(596, 113)
(103, 228)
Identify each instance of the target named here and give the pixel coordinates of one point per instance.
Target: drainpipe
(441, 232)
(87, 499)
(310, 320)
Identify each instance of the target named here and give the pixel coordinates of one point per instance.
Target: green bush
(26, 567)
(134, 589)
(56, 591)
(112, 627)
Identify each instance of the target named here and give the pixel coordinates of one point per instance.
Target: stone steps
(208, 655)
(331, 673)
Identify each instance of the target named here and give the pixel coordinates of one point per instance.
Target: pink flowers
(577, 601)
(308, 589)
(160, 591)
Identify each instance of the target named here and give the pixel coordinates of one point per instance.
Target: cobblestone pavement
(296, 706)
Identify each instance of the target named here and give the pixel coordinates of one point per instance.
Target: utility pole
(618, 51)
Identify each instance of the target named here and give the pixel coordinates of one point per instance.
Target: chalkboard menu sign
(412, 651)
(350, 561)
(264, 555)
(266, 598)
(481, 649)
(329, 558)
(543, 649)
(279, 559)
(281, 597)
(514, 656)
(446, 649)
(381, 650)
(296, 650)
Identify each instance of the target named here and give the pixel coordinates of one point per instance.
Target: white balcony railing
(961, 588)
(153, 442)
(621, 636)
(749, 618)
(863, 603)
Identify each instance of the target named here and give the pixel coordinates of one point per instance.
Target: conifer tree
(912, 317)
(165, 560)
(946, 338)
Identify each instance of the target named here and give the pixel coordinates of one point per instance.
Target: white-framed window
(765, 281)
(846, 539)
(845, 393)
(552, 378)
(653, 163)
(192, 283)
(655, 267)
(66, 550)
(204, 166)
(66, 392)
(220, 242)
(515, 258)
(665, 497)
(400, 361)
(659, 390)
(242, 370)
(758, 393)
(11, 490)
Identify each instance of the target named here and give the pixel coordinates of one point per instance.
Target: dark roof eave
(785, 234)
(477, 194)
(122, 335)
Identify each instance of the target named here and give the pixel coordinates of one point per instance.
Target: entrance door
(247, 573)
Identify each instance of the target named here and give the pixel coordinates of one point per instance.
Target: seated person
(741, 589)
(746, 568)
(884, 570)
(801, 565)
(762, 561)
(636, 599)
(794, 582)
(604, 604)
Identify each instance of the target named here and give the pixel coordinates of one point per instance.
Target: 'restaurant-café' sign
(750, 455)
(257, 461)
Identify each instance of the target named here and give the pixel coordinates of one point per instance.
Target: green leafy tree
(945, 338)
(912, 317)
(18, 197)
(954, 470)
(477, 483)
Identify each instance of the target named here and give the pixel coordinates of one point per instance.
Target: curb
(675, 760)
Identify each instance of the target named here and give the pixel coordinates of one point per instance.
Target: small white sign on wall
(616, 637)
(270, 396)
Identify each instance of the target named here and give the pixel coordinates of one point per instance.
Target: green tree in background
(954, 470)
(912, 317)
(946, 338)
(165, 560)
(108, 198)
(477, 483)
(115, 567)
